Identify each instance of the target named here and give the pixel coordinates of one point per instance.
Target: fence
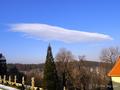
(9, 82)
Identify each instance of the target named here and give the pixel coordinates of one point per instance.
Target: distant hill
(28, 67)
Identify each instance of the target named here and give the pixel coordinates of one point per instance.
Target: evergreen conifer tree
(50, 79)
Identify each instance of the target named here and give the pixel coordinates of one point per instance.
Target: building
(3, 67)
(115, 75)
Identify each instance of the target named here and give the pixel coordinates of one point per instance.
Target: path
(3, 87)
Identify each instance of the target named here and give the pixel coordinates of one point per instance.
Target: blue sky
(93, 16)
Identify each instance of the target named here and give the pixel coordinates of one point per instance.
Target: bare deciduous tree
(108, 58)
(84, 73)
(109, 55)
(80, 74)
(63, 59)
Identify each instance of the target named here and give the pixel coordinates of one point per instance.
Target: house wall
(116, 83)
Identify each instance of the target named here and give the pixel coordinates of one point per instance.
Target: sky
(84, 27)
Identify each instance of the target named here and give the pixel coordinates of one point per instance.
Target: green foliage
(50, 80)
(3, 67)
(14, 71)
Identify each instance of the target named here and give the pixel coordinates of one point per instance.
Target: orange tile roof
(116, 69)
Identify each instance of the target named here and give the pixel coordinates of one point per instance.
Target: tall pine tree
(50, 80)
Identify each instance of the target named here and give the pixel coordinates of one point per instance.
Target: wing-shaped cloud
(48, 32)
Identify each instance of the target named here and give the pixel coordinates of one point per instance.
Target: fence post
(23, 81)
(15, 79)
(10, 80)
(0, 79)
(64, 88)
(32, 83)
(4, 80)
(41, 88)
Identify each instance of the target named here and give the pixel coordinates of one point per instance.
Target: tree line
(64, 71)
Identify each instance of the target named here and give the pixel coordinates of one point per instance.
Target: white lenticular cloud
(48, 32)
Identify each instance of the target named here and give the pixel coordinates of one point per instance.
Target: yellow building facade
(115, 75)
